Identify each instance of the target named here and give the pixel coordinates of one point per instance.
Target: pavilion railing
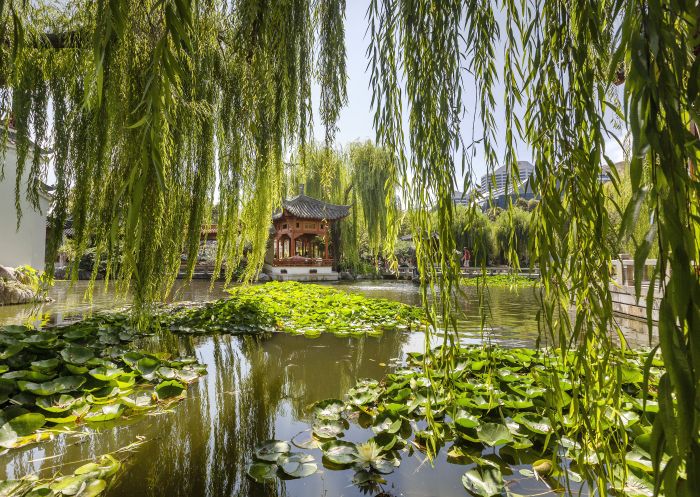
(302, 262)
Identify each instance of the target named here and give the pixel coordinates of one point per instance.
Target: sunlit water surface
(259, 389)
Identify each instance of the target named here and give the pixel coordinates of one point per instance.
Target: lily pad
(262, 472)
(297, 465)
(494, 434)
(169, 389)
(534, 422)
(62, 384)
(272, 450)
(77, 354)
(328, 428)
(484, 481)
(328, 409)
(339, 452)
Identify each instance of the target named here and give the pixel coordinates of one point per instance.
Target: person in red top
(466, 257)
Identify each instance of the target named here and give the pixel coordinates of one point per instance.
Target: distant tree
(517, 232)
(472, 230)
(532, 204)
(521, 203)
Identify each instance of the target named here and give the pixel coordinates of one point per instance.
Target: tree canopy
(158, 104)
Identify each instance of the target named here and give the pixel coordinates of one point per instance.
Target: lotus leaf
(106, 374)
(11, 350)
(166, 373)
(70, 485)
(26, 424)
(62, 384)
(77, 354)
(262, 472)
(76, 370)
(465, 419)
(93, 488)
(534, 422)
(104, 413)
(169, 389)
(45, 365)
(328, 409)
(494, 434)
(77, 412)
(340, 452)
(485, 481)
(271, 450)
(142, 400)
(328, 428)
(386, 422)
(297, 465)
(543, 467)
(147, 366)
(41, 340)
(57, 403)
(187, 375)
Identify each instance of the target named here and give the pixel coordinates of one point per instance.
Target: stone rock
(7, 273)
(346, 275)
(13, 291)
(264, 278)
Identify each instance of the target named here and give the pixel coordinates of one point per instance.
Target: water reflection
(258, 389)
(70, 304)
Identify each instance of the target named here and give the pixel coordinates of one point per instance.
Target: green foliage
(274, 457)
(503, 398)
(297, 308)
(84, 372)
(618, 196)
(88, 480)
(146, 95)
(357, 178)
(500, 280)
(29, 276)
(511, 233)
(473, 230)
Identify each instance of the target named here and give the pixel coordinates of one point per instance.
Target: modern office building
(460, 198)
(498, 186)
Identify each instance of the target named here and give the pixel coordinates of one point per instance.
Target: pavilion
(301, 248)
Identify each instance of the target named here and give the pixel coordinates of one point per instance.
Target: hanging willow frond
(154, 90)
(159, 107)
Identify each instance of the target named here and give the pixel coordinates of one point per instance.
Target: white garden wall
(26, 245)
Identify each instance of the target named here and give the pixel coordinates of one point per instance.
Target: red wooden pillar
(325, 239)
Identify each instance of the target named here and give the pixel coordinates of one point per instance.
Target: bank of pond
(496, 419)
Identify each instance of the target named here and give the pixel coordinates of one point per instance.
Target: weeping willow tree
(358, 176)
(157, 102)
(562, 60)
(158, 106)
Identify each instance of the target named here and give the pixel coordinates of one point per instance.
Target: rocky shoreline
(14, 290)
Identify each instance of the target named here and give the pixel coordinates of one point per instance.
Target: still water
(259, 389)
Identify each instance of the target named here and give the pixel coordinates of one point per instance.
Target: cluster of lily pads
(88, 480)
(370, 460)
(493, 411)
(297, 308)
(86, 372)
(500, 280)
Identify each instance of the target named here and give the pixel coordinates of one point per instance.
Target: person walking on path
(466, 257)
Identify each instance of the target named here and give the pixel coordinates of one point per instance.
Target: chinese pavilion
(301, 240)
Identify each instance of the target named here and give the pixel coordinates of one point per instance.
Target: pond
(260, 389)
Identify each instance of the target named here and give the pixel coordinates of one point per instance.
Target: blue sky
(356, 118)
